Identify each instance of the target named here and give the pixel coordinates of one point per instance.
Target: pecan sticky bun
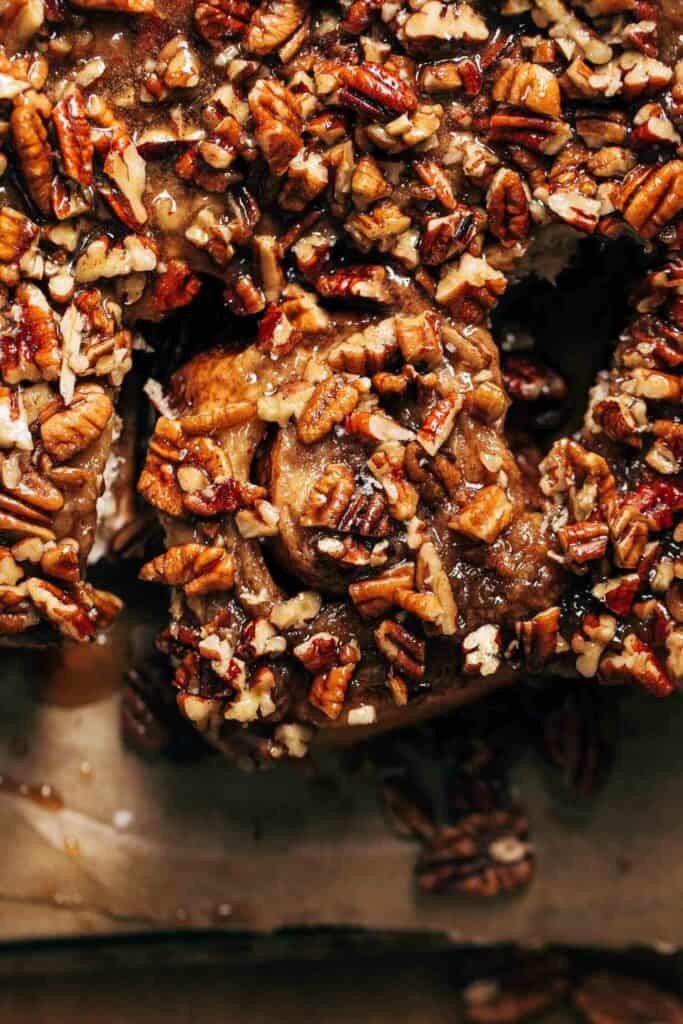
(354, 537)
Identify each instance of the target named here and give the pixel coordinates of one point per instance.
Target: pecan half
(651, 196)
(507, 206)
(331, 402)
(68, 431)
(485, 515)
(530, 86)
(34, 152)
(611, 999)
(404, 651)
(374, 90)
(486, 854)
(218, 21)
(277, 123)
(76, 147)
(198, 569)
(273, 22)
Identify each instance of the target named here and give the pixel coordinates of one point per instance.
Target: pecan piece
(198, 569)
(639, 664)
(611, 999)
(331, 402)
(485, 515)
(651, 196)
(328, 690)
(507, 205)
(404, 651)
(329, 497)
(272, 24)
(540, 638)
(68, 431)
(218, 21)
(375, 90)
(31, 350)
(73, 135)
(17, 235)
(34, 152)
(470, 288)
(277, 123)
(584, 542)
(360, 282)
(484, 855)
(530, 86)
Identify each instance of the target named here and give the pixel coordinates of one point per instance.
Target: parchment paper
(142, 847)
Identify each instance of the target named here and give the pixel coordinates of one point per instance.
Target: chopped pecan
(218, 21)
(377, 228)
(331, 402)
(329, 686)
(59, 609)
(387, 464)
(30, 347)
(175, 287)
(404, 651)
(507, 206)
(612, 999)
(482, 650)
(485, 854)
(470, 288)
(62, 561)
(637, 663)
(444, 22)
(366, 352)
(485, 515)
(419, 338)
(273, 23)
(277, 123)
(374, 596)
(360, 282)
(198, 569)
(374, 90)
(447, 75)
(457, 232)
(33, 150)
(329, 497)
(368, 183)
(539, 134)
(540, 637)
(438, 423)
(432, 580)
(17, 236)
(584, 542)
(68, 431)
(530, 86)
(651, 196)
(377, 426)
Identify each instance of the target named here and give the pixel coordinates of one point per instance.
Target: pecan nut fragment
(610, 999)
(507, 205)
(218, 21)
(34, 152)
(639, 664)
(531, 86)
(485, 516)
(30, 348)
(484, 855)
(76, 147)
(375, 90)
(272, 24)
(277, 123)
(404, 651)
(331, 402)
(329, 497)
(198, 569)
(17, 235)
(68, 431)
(651, 196)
